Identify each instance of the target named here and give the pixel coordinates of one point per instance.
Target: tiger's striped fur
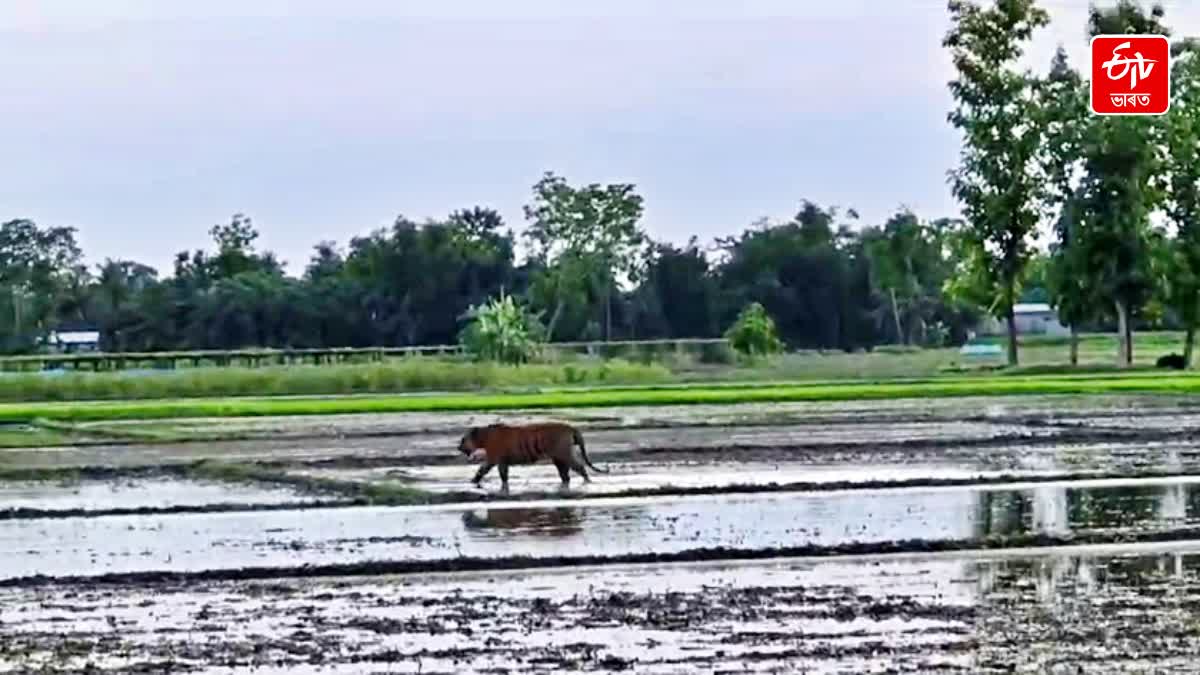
(502, 446)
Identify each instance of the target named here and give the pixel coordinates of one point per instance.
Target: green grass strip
(252, 407)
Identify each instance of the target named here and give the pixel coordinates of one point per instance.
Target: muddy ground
(1047, 535)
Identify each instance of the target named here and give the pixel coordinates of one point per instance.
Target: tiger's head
(471, 444)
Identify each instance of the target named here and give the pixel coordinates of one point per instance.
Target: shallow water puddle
(138, 492)
(781, 466)
(421, 446)
(698, 474)
(597, 527)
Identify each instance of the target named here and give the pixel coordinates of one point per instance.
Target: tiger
(502, 445)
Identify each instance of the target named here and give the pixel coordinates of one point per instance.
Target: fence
(707, 349)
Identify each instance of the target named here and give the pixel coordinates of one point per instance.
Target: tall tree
(1063, 110)
(37, 268)
(114, 303)
(1183, 188)
(995, 111)
(894, 253)
(909, 265)
(593, 229)
(802, 274)
(1121, 161)
(488, 252)
(235, 250)
(679, 293)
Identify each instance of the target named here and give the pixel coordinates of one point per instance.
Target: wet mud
(1003, 409)
(1056, 535)
(95, 494)
(1102, 612)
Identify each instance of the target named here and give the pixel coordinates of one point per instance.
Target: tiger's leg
(564, 472)
(483, 470)
(580, 467)
(504, 477)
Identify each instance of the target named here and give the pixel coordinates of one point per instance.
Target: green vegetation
(661, 366)
(407, 375)
(1001, 140)
(34, 435)
(1031, 157)
(704, 349)
(1000, 385)
(754, 334)
(503, 331)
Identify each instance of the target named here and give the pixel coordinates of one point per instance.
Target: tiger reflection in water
(562, 521)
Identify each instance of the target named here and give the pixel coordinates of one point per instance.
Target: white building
(74, 340)
(1032, 318)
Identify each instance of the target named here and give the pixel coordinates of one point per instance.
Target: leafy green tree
(754, 334)
(1062, 107)
(995, 111)
(804, 272)
(488, 252)
(1116, 202)
(114, 302)
(502, 330)
(586, 233)
(908, 266)
(417, 280)
(38, 268)
(680, 294)
(327, 262)
(1068, 283)
(235, 250)
(1183, 188)
(1121, 163)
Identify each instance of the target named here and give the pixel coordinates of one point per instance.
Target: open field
(976, 535)
(599, 397)
(617, 364)
(401, 375)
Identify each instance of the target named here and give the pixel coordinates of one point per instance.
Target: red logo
(1131, 75)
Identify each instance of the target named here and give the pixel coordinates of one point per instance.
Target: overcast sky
(144, 122)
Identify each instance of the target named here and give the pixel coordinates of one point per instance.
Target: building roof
(1031, 307)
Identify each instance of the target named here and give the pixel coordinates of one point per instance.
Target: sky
(143, 123)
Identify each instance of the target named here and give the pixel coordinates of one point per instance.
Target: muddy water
(442, 444)
(624, 477)
(764, 466)
(190, 542)
(137, 493)
(1113, 609)
(1110, 609)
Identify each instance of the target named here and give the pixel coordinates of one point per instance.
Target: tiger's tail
(578, 437)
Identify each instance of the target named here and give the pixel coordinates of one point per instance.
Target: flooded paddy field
(1102, 610)
(1057, 534)
(618, 527)
(138, 492)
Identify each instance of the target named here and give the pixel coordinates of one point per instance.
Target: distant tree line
(586, 269)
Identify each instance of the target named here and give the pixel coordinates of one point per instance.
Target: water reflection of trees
(1053, 580)
(1057, 580)
(1058, 510)
(551, 522)
(1051, 577)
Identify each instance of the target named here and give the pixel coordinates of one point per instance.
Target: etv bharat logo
(1131, 75)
